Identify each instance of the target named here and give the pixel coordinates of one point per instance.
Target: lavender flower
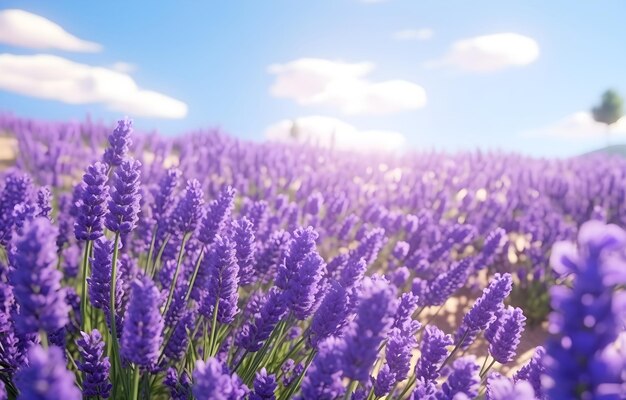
(347, 226)
(44, 202)
(211, 382)
(375, 313)
(352, 272)
(36, 281)
(216, 216)
(180, 389)
(384, 381)
(71, 261)
(401, 250)
(463, 379)
(3, 392)
(483, 311)
(257, 214)
(7, 301)
(302, 244)
(323, 379)
(301, 290)
(119, 141)
(164, 194)
(243, 236)
(91, 205)
(584, 324)
(143, 325)
(124, 204)
(501, 388)
(400, 347)
(95, 366)
(23, 212)
(424, 390)
(433, 352)
(264, 386)
(177, 345)
(188, 211)
(532, 371)
(269, 258)
(314, 203)
(100, 279)
(16, 189)
(223, 282)
(273, 309)
(45, 376)
(446, 284)
(331, 315)
(504, 343)
(369, 246)
(406, 308)
(494, 242)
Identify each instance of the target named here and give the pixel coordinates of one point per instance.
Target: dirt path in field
(451, 316)
(8, 150)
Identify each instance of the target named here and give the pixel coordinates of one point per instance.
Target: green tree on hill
(609, 111)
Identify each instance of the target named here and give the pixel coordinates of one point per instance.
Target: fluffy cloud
(124, 67)
(414, 34)
(326, 132)
(490, 53)
(341, 85)
(23, 29)
(51, 77)
(580, 125)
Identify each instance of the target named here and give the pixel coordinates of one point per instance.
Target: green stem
(370, 394)
(83, 299)
(407, 387)
(212, 339)
(115, 365)
(192, 281)
(157, 260)
(456, 348)
(43, 336)
(484, 364)
(205, 341)
(149, 264)
(488, 368)
(291, 351)
(135, 389)
(236, 367)
(251, 368)
(393, 389)
(293, 388)
(350, 389)
(181, 252)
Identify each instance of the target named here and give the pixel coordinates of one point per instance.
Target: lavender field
(200, 266)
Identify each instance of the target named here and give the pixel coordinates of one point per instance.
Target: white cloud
(490, 53)
(327, 131)
(56, 78)
(414, 34)
(124, 67)
(341, 85)
(23, 29)
(579, 125)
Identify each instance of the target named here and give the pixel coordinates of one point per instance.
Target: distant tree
(609, 111)
(294, 132)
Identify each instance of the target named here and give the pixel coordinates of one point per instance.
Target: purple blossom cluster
(206, 267)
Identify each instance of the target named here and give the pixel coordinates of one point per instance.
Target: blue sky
(215, 56)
